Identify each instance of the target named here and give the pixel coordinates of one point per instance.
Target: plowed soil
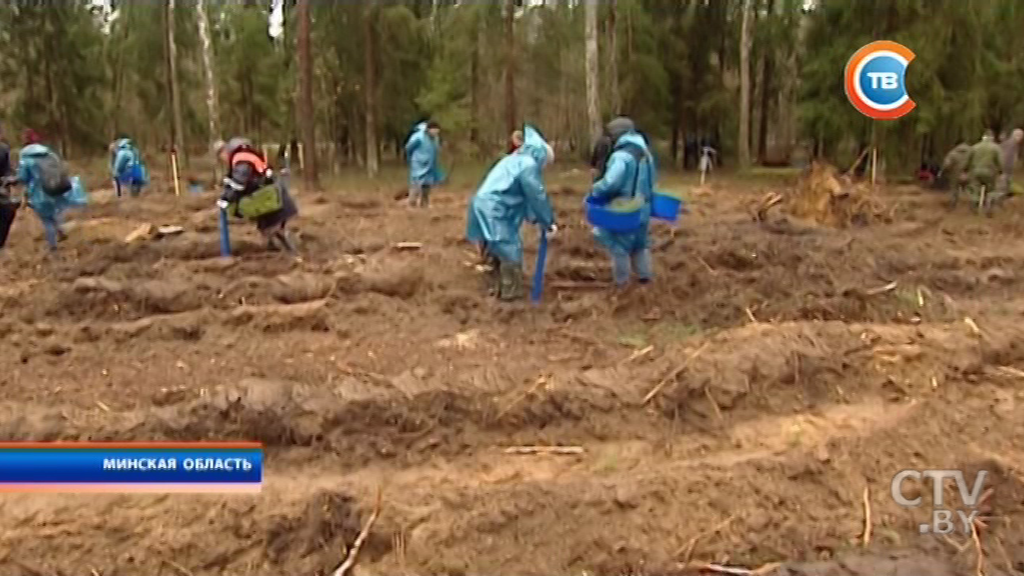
(795, 368)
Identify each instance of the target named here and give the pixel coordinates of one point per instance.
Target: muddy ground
(794, 376)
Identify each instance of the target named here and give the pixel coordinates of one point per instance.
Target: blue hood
(535, 145)
(631, 138)
(35, 150)
(123, 143)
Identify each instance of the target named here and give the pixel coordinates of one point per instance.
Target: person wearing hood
(424, 171)
(983, 166)
(127, 167)
(604, 146)
(49, 190)
(252, 192)
(511, 192)
(630, 172)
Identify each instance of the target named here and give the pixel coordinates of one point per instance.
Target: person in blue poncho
(424, 171)
(630, 171)
(511, 192)
(50, 191)
(127, 167)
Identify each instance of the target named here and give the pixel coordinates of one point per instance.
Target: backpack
(53, 175)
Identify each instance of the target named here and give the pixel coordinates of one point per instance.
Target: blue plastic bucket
(665, 207)
(610, 220)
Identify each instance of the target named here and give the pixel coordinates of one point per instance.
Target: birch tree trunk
(593, 103)
(172, 64)
(211, 86)
(370, 52)
(743, 139)
(305, 106)
(613, 59)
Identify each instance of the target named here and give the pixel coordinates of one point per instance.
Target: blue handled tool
(538, 272)
(225, 238)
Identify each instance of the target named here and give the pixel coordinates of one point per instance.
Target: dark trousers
(7, 214)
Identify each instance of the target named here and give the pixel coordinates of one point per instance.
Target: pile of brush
(824, 197)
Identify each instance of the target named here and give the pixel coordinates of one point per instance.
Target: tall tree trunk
(172, 64)
(370, 52)
(743, 139)
(593, 102)
(767, 87)
(474, 80)
(613, 60)
(305, 107)
(511, 113)
(212, 107)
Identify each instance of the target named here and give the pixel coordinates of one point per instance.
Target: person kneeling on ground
(511, 192)
(251, 192)
(50, 190)
(424, 170)
(127, 167)
(630, 173)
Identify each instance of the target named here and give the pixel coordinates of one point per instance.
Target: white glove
(552, 231)
(222, 204)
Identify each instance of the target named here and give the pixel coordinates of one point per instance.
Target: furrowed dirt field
(794, 376)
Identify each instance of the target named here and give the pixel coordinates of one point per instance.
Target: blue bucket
(610, 220)
(665, 207)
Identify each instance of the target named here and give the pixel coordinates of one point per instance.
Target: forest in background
(756, 76)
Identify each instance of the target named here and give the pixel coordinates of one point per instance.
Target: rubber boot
(511, 281)
(493, 275)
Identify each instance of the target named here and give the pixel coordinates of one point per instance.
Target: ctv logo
(875, 80)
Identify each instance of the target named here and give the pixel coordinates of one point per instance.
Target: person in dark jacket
(248, 173)
(8, 204)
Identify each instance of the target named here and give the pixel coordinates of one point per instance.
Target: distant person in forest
(983, 166)
(629, 179)
(252, 192)
(950, 176)
(127, 167)
(513, 191)
(50, 190)
(421, 152)
(1010, 148)
(8, 204)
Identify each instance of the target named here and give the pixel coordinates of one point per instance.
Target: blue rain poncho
(618, 181)
(127, 167)
(421, 154)
(511, 192)
(46, 206)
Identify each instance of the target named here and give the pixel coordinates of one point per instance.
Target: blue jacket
(127, 167)
(511, 192)
(421, 153)
(45, 205)
(622, 173)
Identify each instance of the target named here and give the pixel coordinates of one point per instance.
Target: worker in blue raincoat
(36, 164)
(424, 171)
(630, 171)
(511, 192)
(127, 167)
